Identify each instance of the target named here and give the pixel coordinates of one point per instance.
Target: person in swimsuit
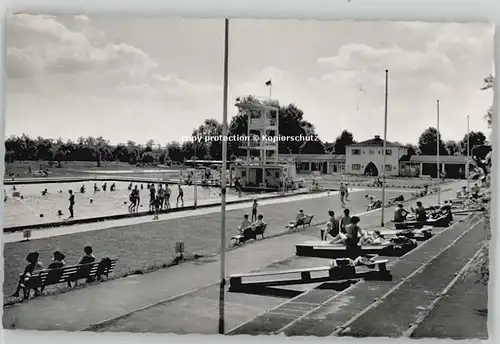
(44, 192)
(345, 220)
(137, 198)
(353, 233)
(180, 196)
(133, 201)
(71, 207)
(167, 197)
(152, 198)
(400, 214)
(161, 196)
(342, 194)
(346, 192)
(113, 187)
(254, 210)
(244, 224)
(420, 213)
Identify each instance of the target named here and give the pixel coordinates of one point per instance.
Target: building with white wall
(367, 158)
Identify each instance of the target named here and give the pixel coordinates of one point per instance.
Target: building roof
(311, 157)
(375, 142)
(443, 159)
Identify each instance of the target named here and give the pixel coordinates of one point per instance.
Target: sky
(127, 78)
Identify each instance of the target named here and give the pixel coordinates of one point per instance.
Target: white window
(356, 152)
(356, 167)
(388, 152)
(388, 168)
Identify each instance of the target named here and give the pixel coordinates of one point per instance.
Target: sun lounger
(306, 221)
(339, 271)
(323, 249)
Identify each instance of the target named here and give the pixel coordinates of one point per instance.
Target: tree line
(291, 123)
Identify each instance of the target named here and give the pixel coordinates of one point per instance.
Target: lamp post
(467, 166)
(384, 144)
(194, 174)
(438, 141)
(222, 290)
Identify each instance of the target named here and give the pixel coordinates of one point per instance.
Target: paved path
(81, 308)
(462, 314)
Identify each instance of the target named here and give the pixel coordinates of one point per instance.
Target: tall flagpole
(222, 287)
(270, 89)
(467, 171)
(438, 141)
(384, 144)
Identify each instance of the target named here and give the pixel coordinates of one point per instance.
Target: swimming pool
(26, 211)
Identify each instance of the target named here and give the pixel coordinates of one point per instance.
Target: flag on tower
(269, 83)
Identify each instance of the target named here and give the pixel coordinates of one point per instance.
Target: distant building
(452, 166)
(323, 163)
(367, 158)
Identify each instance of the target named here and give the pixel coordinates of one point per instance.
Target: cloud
(400, 61)
(62, 51)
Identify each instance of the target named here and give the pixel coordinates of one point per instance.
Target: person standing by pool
(342, 192)
(346, 192)
(254, 210)
(180, 196)
(167, 196)
(133, 202)
(137, 198)
(161, 196)
(152, 198)
(71, 204)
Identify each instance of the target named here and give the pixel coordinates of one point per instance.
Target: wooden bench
(257, 231)
(306, 221)
(69, 274)
(342, 271)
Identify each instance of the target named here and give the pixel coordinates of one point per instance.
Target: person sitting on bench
(299, 220)
(33, 264)
(88, 257)
(400, 214)
(259, 223)
(244, 224)
(58, 261)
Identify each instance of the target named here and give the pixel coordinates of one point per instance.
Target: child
(254, 210)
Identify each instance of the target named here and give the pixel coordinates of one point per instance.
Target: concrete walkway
(94, 304)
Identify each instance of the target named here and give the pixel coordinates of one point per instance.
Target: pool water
(18, 212)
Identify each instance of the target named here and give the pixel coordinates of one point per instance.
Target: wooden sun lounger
(303, 276)
(324, 249)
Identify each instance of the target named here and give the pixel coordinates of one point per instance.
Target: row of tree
(291, 123)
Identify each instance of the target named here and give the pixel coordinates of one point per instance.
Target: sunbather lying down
(354, 262)
(373, 238)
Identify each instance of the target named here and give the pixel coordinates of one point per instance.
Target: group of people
(251, 224)
(58, 261)
(159, 198)
(346, 230)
